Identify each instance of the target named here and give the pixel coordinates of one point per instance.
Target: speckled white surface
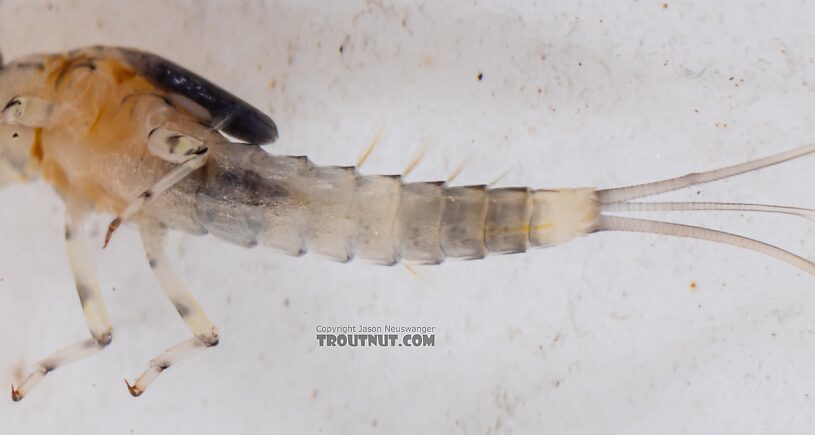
(603, 335)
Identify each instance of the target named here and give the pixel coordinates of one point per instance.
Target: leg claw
(111, 228)
(134, 390)
(15, 394)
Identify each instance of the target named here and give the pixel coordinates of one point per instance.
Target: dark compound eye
(15, 135)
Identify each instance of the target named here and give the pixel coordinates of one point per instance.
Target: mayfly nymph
(128, 133)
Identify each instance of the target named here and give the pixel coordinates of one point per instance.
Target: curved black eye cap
(229, 113)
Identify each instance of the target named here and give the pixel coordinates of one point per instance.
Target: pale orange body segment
(96, 147)
(83, 122)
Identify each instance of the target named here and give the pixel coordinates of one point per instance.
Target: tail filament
(620, 200)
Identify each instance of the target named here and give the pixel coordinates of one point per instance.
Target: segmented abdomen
(248, 197)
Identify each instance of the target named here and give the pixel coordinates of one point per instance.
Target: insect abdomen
(462, 230)
(250, 197)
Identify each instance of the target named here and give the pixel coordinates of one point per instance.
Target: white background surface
(602, 335)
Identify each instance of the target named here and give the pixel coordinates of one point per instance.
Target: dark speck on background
(480, 76)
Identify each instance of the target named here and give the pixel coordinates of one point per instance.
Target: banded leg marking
(188, 151)
(206, 335)
(93, 305)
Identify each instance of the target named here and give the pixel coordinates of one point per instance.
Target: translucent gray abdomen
(248, 197)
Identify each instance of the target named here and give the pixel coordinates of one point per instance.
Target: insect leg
(188, 151)
(90, 296)
(29, 110)
(206, 335)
